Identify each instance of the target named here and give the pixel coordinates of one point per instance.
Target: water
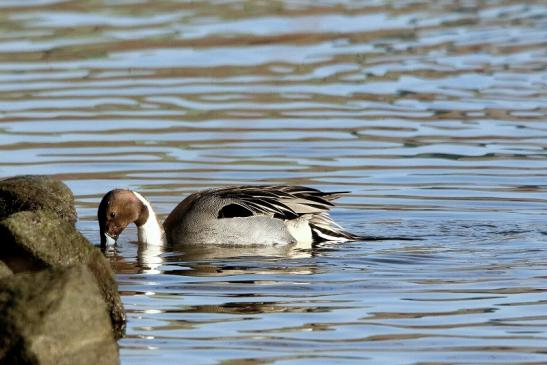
(433, 115)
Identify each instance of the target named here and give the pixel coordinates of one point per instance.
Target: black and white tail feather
(287, 203)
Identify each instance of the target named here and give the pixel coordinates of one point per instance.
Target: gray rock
(55, 316)
(4, 270)
(35, 240)
(36, 192)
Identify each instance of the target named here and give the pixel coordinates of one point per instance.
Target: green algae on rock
(36, 192)
(55, 316)
(4, 270)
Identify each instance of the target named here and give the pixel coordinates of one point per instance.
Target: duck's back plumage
(255, 215)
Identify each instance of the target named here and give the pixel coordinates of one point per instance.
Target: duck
(231, 216)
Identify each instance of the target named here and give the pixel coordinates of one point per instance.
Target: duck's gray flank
(293, 205)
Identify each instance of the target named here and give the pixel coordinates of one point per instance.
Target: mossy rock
(42, 240)
(55, 316)
(32, 241)
(36, 192)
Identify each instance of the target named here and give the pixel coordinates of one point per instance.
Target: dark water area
(433, 115)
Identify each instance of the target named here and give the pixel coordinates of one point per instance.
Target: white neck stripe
(150, 232)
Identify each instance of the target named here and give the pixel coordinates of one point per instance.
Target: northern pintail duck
(239, 215)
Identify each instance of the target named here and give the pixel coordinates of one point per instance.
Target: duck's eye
(112, 214)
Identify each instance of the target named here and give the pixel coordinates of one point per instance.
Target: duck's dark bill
(109, 240)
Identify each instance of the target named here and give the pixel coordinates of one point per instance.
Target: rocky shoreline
(59, 301)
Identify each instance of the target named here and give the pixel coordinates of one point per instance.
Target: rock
(41, 240)
(55, 316)
(35, 240)
(4, 270)
(100, 267)
(36, 192)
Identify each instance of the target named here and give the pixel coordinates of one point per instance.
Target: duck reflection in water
(154, 259)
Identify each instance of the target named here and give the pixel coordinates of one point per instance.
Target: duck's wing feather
(280, 201)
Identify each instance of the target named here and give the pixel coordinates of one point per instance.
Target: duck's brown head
(117, 210)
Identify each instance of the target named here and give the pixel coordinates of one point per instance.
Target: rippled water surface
(432, 113)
